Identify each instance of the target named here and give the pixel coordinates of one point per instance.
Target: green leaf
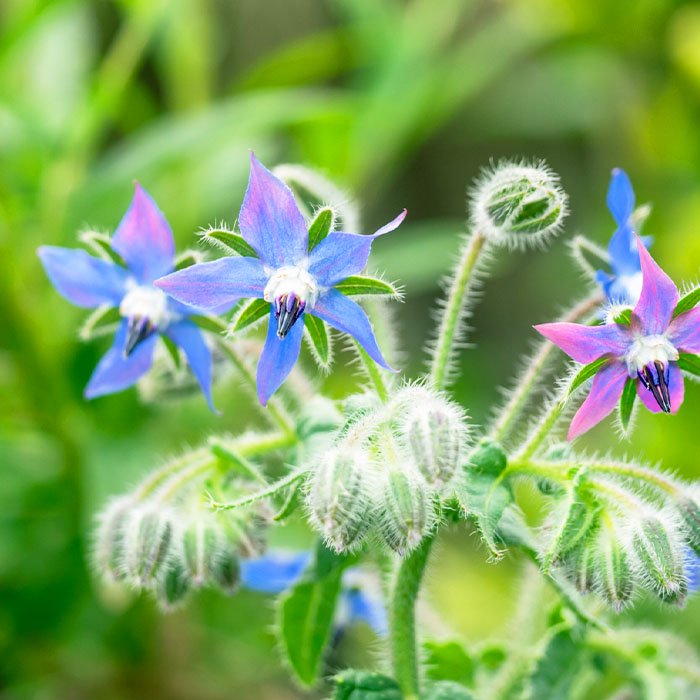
(448, 661)
(101, 245)
(230, 242)
(187, 259)
(447, 690)
(624, 318)
(319, 337)
(689, 301)
(306, 611)
(556, 669)
(360, 285)
(585, 373)
(689, 363)
(102, 321)
(252, 311)
(629, 395)
(321, 226)
(365, 685)
(210, 323)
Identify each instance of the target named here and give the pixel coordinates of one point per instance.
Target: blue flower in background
(276, 571)
(293, 279)
(692, 571)
(145, 243)
(624, 285)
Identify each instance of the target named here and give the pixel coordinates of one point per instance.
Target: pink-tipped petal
(587, 343)
(659, 295)
(605, 393)
(684, 331)
(676, 390)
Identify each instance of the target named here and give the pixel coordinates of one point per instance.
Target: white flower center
(648, 349)
(292, 280)
(146, 302)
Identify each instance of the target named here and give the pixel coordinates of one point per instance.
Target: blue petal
(365, 608)
(692, 570)
(620, 196)
(278, 357)
(212, 286)
(270, 219)
(340, 255)
(344, 314)
(624, 256)
(190, 339)
(83, 279)
(274, 572)
(144, 239)
(115, 371)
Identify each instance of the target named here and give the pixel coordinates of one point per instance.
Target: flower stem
(403, 619)
(374, 374)
(545, 425)
(449, 322)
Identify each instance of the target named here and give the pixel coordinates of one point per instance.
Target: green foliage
(627, 400)
(448, 661)
(231, 242)
(365, 685)
(557, 668)
(360, 285)
(319, 337)
(687, 302)
(252, 311)
(321, 226)
(586, 373)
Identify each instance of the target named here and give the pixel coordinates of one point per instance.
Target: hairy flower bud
(173, 586)
(407, 509)
(226, 572)
(339, 496)
(201, 546)
(147, 540)
(518, 205)
(690, 512)
(581, 568)
(615, 580)
(109, 539)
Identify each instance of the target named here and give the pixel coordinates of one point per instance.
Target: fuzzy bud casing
(518, 205)
(201, 545)
(690, 512)
(226, 572)
(173, 586)
(109, 539)
(615, 580)
(148, 537)
(339, 496)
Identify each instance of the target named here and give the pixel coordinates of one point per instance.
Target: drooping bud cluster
(518, 205)
(387, 471)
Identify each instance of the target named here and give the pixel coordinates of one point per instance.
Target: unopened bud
(226, 573)
(173, 586)
(201, 544)
(147, 539)
(339, 497)
(581, 568)
(690, 512)
(660, 559)
(518, 205)
(488, 458)
(579, 521)
(615, 578)
(109, 539)
(407, 510)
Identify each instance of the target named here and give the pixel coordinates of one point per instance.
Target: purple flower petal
(144, 239)
(270, 219)
(659, 295)
(115, 371)
(344, 314)
(676, 390)
(83, 279)
(212, 285)
(587, 343)
(190, 339)
(278, 357)
(620, 197)
(340, 255)
(684, 331)
(605, 393)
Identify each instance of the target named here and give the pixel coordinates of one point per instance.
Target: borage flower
(144, 242)
(292, 278)
(646, 351)
(624, 285)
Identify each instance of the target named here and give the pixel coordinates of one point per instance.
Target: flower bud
(226, 573)
(339, 496)
(201, 545)
(518, 205)
(147, 540)
(581, 568)
(173, 586)
(659, 559)
(615, 579)
(690, 512)
(109, 539)
(407, 509)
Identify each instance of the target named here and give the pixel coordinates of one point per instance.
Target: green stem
(449, 322)
(543, 428)
(271, 490)
(374, 374)
(403, 620)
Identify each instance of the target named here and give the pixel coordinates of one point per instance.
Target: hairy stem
(403, 620)
(544, 426)
(450, 319)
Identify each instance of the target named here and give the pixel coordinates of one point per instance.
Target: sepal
(230, 242)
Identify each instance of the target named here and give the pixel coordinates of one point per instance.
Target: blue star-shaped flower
(293, 279)
(145, 243)
(624, 285)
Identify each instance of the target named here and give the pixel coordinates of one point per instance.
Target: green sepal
(624, 317)
(629, 396)
(362, 285)
(365, 685)
(210, 323)
(101, 244)
(230, 242)
(172, 350)
(585, 373)
(687, 302)
(448, 661)
(689, 363)
(252, 311)
(321, 226)
(306, 611)
(319, 337)
(447, 690)
(186, 259)
(102, 321)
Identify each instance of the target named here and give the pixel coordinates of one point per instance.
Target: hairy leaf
(689, 363)
(629, 396)
(689, 301)
(232, 243)
(585, 373)
(448, 661)
(319, 337)
(557, 668)
(321, 226)
(365, 685)
(251, 312)
(361, 285)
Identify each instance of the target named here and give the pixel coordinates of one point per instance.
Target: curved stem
(548, 420)
(449, 322)
(403, 620)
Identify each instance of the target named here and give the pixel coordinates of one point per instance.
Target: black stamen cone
(138, 329)
(657, 382)
(288, 309)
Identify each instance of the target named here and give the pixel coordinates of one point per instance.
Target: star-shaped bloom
(645, 351)
(293, 279)
(145, 243)
(624, 285)
(278, 570)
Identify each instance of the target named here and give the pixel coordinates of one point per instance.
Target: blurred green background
(401, 103)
